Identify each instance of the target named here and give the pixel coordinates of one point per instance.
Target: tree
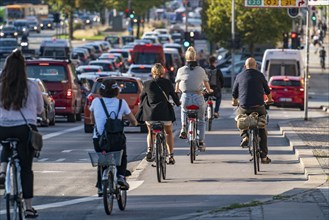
(254, 25)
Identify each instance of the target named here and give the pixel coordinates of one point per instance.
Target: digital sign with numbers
(275, 3)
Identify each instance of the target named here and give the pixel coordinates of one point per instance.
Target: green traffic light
(313, 18)
(131, 16)
(186, 44)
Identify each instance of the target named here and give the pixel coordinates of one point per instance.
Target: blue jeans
(198, 100)
(218, 101)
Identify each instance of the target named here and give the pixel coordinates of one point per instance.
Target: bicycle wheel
(210, 113)
(158, 157)
(122, 199)
(163, 159)
(254, 151)
(192, 132)
(257, 153)
(14, 201)
(108, 189)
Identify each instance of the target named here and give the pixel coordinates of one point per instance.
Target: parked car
(287, 91)
(48, 116)
(63, 84)
(130, 91)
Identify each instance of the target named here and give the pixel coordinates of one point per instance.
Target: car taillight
(137, 101)
(90, 98)
(301, 89)
(69, 93)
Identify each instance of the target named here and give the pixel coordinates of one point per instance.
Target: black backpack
(113, 137)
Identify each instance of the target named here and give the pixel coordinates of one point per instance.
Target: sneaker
(265, 160)
(216, 114)
(182, 134)
(100, 192)
(123, 183)
(171, 160)
(202, 146)
(149, 156)
(245, 142)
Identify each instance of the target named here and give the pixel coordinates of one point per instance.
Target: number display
(288, 2)
(271, 2)
(254, 2)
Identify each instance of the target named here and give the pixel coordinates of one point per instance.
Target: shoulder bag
(35, 138)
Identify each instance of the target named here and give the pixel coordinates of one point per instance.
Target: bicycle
(159, 149)
(108, 162)
(192, 134)
(210, 111)
(13, 186)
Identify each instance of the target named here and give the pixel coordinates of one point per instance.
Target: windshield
(8, 43)
(8, 29)
(285, 83)
(127, 87)
(147, 58)
(47, 73)
(141, 70)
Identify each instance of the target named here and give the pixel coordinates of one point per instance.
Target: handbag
(170, 107)
(35, 138)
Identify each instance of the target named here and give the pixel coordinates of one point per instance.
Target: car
(7, 45)
(88, 68)
(165, 38)
(114, 40)
(126, 54)
(131, 89)
(63, 84)
(287, 91)
(22, 27)
(47, 117)
(178, 47)
(173, 62)
(153, 39)
(47, 23)
(8, 31)
(92, 76)
(142, 71)
(127, 39)
(148, 54)
(34, 26)
(82, 55)
(108, 65)
(98, 48)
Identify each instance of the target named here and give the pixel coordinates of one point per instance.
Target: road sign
(318, 2)
(277, 3)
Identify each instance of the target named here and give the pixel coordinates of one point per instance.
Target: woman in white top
(109, 91)
(18, 96)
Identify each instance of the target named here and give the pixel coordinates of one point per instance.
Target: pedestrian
(202, 59)
(248, 93)
(323, 55)
(216, 81)
(190, 81)
(109, 91)
(156, 107)
(19, 97)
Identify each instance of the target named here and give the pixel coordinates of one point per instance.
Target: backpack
(112, 137)
(212, 76)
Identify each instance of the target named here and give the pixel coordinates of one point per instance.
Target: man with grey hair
(248, 94)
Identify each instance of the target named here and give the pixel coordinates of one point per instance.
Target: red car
(131, 89)
(287, 91)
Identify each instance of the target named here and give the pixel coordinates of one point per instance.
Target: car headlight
(15, 34)
(41, 25)
(88, 21)
(2, 34)
(49, 25)
(35, 27)
(24, 29)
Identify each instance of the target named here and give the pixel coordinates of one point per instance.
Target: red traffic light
(293, 35)
(127, 10)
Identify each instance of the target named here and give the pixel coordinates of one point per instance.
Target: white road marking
(133, 185)
(60, 159)
(49, 171)
(47, 136)
(66, 151)
(43, 159)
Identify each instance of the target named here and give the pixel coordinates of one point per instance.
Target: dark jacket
(154, 104)
(249, 87)
(219, 81)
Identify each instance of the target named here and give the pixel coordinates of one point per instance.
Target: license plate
(285, 99)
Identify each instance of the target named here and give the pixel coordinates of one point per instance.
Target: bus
(21, 11)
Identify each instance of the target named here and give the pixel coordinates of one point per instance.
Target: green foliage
(255, 25)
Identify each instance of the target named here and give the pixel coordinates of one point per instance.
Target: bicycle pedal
(153, 165)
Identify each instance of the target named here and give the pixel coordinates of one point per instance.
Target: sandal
(171, 160)
(31, 213)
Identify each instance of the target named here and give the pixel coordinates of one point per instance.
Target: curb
(312, 169)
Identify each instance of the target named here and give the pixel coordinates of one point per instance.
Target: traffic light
(187, 39)
(57, 18)
(295, 40)
(192, 35)
(127, 13)
(285, 40)
(313, 17)
(131, 14)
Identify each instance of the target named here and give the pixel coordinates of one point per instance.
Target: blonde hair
(190, 54)
(157, 70)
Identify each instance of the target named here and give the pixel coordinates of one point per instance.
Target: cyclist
(109, 91)
(216, 81)
(155, 107)
(18, 96)
(190, 80)
(249, 88)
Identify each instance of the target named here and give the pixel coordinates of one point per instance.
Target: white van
(282, 62)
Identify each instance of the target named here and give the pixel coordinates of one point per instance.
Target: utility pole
(307, 61)
(186, 15)
(233, 43)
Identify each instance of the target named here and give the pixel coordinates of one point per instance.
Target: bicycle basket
(110, 158)
(192, 114)
(244, 121)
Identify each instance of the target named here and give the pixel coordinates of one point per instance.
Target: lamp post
(233, 43)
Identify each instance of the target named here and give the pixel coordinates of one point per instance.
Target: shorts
(166, 123)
